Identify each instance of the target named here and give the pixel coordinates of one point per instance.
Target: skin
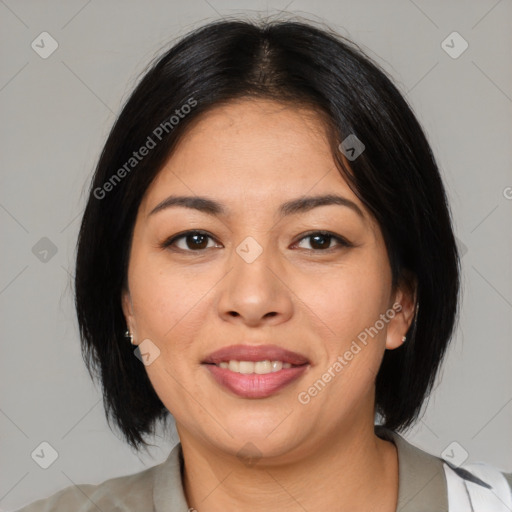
(252, 155)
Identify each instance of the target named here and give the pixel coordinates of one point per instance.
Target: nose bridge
(252, 261)
(254, 234)
(251, 289)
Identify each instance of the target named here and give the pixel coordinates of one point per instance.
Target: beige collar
(421, 478)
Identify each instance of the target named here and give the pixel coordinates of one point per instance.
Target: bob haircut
(396, 178)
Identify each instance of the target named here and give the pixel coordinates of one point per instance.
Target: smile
(259, 367)
(255, 371)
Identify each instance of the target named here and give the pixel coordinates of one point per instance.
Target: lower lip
(254, 385)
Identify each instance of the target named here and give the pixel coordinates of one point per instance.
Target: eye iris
(326, 238)
(199, 245)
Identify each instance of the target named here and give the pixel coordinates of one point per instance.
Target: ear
(127, 306)
(404, 302)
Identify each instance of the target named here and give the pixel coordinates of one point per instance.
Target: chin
(262, 435)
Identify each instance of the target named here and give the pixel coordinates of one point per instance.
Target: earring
(128, 334)
(404, 338)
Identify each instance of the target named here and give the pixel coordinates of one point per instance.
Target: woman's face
(260, 274)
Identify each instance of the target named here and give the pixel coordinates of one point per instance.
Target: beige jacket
(422, 486)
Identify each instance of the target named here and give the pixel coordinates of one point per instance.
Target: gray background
(56, 113)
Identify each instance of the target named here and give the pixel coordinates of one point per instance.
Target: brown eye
(194, 241)
(321, 241)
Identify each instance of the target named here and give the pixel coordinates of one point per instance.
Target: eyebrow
(214, 208)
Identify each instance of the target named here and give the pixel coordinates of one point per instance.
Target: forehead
(253, 150)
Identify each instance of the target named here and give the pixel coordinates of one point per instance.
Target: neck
(355, 471)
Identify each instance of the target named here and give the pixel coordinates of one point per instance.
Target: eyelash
(343, 243)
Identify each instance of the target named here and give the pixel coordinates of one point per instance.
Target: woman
(268, 227)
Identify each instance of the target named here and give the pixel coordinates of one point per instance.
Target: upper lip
(255, 353)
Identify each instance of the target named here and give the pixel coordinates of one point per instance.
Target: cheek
(170, 306)
(347, 299)
(346, 305)
(169, 301)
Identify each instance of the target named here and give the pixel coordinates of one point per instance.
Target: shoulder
(120, 494)
(423, 482)
(479, 484)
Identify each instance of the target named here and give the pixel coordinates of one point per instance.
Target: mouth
(255, 371)
(258, 367)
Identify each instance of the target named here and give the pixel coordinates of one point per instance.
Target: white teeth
(276, 366)
(246, 367)
(258, 367)
(262, 367)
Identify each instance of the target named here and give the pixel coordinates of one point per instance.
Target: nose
(255, 292)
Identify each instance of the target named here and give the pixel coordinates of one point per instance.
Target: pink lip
(254, 385)
(255, 353)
